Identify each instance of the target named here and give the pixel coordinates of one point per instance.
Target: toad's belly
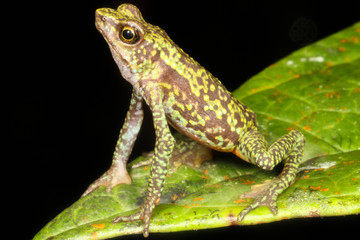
(205, 128)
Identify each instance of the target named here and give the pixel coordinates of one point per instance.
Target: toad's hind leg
(186, 152)
(254, 149)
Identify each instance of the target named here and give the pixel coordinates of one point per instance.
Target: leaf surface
(316, 90)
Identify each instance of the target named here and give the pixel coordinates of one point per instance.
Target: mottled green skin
(180, 92)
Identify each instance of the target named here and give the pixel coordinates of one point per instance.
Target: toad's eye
(129, 35)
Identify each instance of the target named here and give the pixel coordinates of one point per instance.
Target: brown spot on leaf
(240, 200)
(99, 226)
(198, 199)
(205, 177)
(232, 219)
(315, 188)
(307, 128)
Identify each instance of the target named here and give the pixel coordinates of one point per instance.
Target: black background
(68, 100)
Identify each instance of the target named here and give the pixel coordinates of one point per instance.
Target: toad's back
(199, 106)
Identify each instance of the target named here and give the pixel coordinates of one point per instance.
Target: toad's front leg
(117, 173)
(163, 149)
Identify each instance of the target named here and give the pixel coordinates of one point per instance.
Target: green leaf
(315, 90)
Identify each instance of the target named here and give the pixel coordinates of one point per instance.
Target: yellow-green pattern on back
(180, 92)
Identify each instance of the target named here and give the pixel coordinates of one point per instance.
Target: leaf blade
(208, 196)
(313, 194)
(315, 90)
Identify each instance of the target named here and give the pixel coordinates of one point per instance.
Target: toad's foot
(111, 178)
(135, 217)
(265, 195)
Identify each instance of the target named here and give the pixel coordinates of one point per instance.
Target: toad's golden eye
(129, 35)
